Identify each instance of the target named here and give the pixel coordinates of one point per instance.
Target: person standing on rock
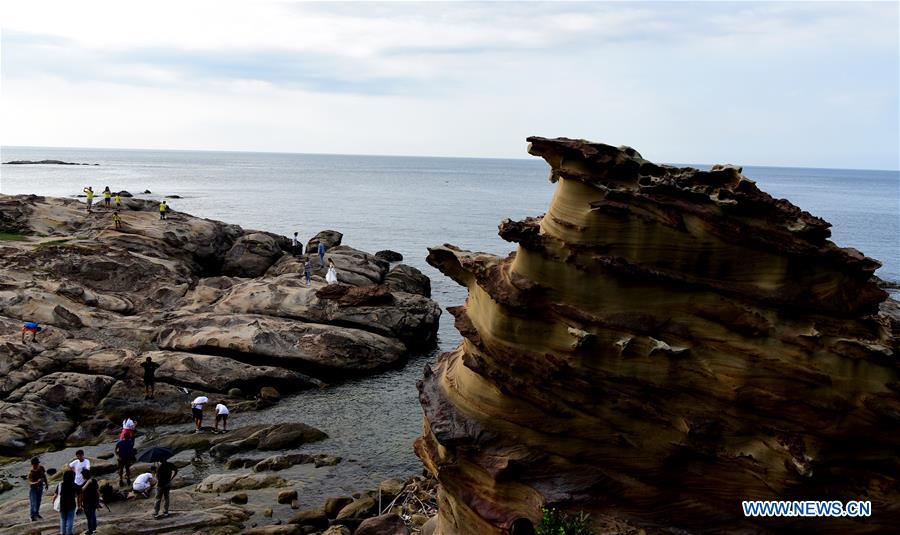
(331, 276)
(197, 413)
(321, 250)
(117, 220)
(90, 501)
(307, 271)
(37, 484)
(89, 191)
(163, 209)
(296, 248)
(79, 465)
(124, 458)
(222, 414)
(164, 476)
(149, 378)
(118, 200)
(67, 491)
(107, 197)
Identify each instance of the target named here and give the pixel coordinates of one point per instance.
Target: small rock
(390, 489)
(267, 512)
(337, 530)
(239, 498)
(269, 392)
(389, 524)
(236, 393)
(334, 504)
(147, 191)
(5, 485)
(311, 517)
(287, 496)
(358, 509)
(173, 196)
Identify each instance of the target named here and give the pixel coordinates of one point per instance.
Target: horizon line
(523, 158)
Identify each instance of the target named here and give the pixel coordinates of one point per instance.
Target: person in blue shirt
(30, 327)
(321, 254)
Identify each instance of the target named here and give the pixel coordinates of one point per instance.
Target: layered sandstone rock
(664, 343)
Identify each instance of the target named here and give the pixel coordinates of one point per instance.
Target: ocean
(405, 204)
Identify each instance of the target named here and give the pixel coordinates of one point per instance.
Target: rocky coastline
(226, 313)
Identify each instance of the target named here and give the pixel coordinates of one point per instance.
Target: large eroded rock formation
(664, 343)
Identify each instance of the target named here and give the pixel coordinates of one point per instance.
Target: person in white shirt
(197, 413)
(221, 414)
(78, 465)
(143, 483)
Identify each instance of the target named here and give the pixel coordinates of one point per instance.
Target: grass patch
(6, 235)
(51, 243)
(555, 522)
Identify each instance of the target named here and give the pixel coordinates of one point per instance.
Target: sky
(792, 84)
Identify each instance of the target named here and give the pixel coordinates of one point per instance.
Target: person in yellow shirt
(107, 197)
(89, 191)
(117, 220)
(118, 200)
(163, 209)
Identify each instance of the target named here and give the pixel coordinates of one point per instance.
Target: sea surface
(406, 204)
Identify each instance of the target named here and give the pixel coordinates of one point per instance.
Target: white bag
(58, 496)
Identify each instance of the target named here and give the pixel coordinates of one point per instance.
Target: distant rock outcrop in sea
(45, 162)
(664, 343)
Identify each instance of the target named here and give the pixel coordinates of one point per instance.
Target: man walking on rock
(37, 484)
(164, 476)
(124, 457)
(149, 378)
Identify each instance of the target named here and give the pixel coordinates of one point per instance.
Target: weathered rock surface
(389, 524)
(221, 309)
(228, 482)
(664, 343)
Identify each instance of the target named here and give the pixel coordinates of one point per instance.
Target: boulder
(389, 524)
(269, 392)
(337, 530)
(286, 496)
(389, 256)
(315, 518)
(239, 498)
(334, 504)
(300, 346)
(331, 238)
(231, 482)
(403, 278)
(391, 488)
(251, 255)
(358, 509)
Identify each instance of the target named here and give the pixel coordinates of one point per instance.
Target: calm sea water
(405, 204)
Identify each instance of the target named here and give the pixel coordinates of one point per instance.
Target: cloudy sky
(801, 84)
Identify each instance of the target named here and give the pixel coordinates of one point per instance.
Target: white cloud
(779, 83)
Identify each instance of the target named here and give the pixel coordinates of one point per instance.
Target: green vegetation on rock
(555, 522)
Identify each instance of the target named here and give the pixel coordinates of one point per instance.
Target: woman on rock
(331, 276)
(107, 197)
(66, 491)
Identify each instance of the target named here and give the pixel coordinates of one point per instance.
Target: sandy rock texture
(664, 343)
